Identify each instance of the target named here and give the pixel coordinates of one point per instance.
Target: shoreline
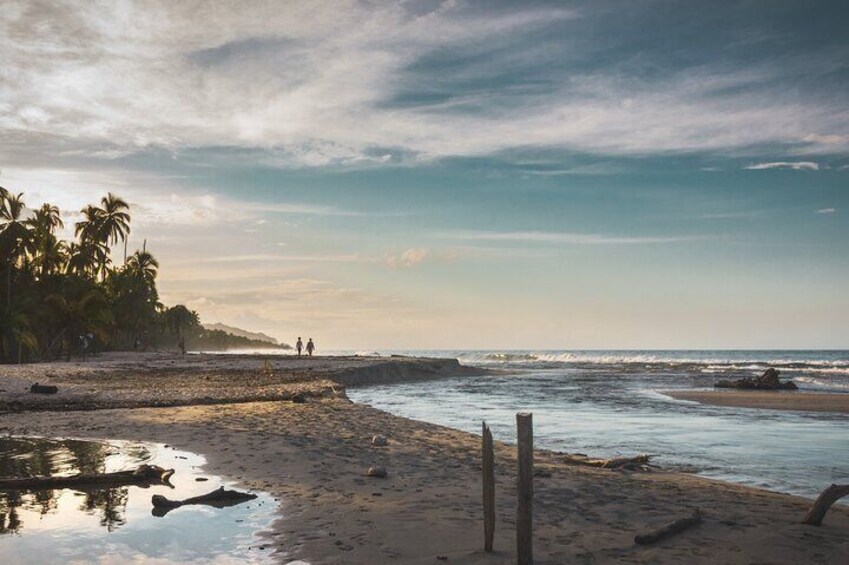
(769, 400)
(313, 456)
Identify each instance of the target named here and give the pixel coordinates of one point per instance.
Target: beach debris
(488, 490)
(524, 488)
(636, 463)
(44, 389)
(379, 441)
(377, 472)
(219, 498)
(829, 496)
(143, 475)
(669, 529)
(768, 381)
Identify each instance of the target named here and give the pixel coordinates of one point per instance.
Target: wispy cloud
(260, 257)
(826, 210)
(794, 165)
(563, 238)
(316, 84)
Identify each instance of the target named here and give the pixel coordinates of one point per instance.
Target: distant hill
(243, 333)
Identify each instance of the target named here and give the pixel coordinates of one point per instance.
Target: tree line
(62, 298)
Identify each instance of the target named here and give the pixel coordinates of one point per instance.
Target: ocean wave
(819, 383)
(708, 362)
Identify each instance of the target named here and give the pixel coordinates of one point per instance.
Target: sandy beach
(772, 400)
(313, 456)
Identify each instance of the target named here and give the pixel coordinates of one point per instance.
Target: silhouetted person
(182, 345)
(299, 346)
(310, 347)
(84, 346)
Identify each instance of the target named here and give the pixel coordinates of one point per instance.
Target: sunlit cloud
(408, 258)
(318, 84)
(794, 165)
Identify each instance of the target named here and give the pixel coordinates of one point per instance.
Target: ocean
(610, 403)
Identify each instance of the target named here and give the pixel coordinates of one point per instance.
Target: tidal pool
(115, 525)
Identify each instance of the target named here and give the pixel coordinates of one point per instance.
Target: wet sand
(313, 456)
(772, 400)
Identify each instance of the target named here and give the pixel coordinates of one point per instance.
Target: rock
(376, 472)
(299, 398)
(379, 441)
(768, 381)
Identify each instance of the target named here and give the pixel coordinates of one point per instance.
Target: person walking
(299, 346)
(310, 347)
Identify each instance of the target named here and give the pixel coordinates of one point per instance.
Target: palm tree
(144, 265)
(89, 313)
(178, 318)
(46, 220)
(89, 228)
(49, 252)
(114, 219)
(51, 255)
(83, 259)
(16, 331)
(15, 238)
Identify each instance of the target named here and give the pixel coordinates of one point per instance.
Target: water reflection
(27, 457)
(80, 524)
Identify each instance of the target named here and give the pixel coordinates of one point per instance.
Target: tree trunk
(144, 475)
(219, 498)
(669, 529)
(829, 496)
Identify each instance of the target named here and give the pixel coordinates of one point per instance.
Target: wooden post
(488, 489)
(525, 489)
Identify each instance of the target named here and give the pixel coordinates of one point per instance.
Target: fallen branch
(220, 498)
(43, 389)
(636, 463)
(669, 529)
(829, 496)
(144, 475)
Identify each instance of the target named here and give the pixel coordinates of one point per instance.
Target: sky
(456, 175)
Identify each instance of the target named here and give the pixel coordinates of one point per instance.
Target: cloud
(826, 210)
(408, 258)
(252, 258)
(794, 165)
(563, 238)
(313, 84)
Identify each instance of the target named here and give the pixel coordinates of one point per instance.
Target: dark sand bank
(136, 380)
(313, 457)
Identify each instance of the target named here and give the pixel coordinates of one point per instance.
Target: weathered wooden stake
(488, 489)
(525, 489)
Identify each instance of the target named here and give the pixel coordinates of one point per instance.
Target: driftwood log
(636, 463)
(143, 475)
(219, 498)
(43, 389)
(669, 529)
(829, 496)
(768, 381)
